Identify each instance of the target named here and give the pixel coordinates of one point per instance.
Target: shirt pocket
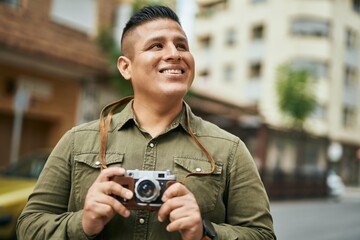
(206, 188)
(87, 169)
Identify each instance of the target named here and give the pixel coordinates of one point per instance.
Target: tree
(296, 99)
(112, 51)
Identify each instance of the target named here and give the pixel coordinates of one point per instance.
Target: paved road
(317, 219)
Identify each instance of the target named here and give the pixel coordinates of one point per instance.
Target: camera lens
(147, 190)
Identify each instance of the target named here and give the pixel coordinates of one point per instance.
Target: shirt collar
(119, 120)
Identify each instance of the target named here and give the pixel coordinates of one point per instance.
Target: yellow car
(16, 183)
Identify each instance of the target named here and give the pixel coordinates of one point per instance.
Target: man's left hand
(183, 211)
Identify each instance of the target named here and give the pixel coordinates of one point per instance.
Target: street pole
(20, 104)
(358, 158)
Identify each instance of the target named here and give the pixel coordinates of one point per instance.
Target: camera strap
(105, 120)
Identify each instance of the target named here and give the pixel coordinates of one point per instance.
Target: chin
(174, 94)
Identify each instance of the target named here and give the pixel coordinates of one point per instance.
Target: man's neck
(155, 117)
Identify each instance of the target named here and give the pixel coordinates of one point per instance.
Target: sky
(186, 11)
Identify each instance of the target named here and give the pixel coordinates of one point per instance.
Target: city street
(318, 219)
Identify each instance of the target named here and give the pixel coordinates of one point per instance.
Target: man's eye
(181, 46)
(157, 45)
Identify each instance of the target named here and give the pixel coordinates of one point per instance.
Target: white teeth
(172, 71)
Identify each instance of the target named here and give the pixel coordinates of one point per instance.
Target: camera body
(147, 186)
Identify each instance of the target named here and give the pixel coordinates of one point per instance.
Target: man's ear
(124, 66)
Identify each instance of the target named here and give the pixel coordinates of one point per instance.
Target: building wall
(233, 38)
(50, 112)
(55, 62)
(277, 46)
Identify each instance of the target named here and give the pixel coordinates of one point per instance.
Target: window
(204, 75)
(310, 27)
(320, 112)
(205, 42)
(230, 37)
(349, 117)
(315, 68)
(67, 12)
(229, 73)
(258, 32)
(350, 78)
(351, 86)
(356, 5)
(11, 2)
(255, 70)
(351, 39)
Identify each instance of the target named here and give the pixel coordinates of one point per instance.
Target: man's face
(158, 60)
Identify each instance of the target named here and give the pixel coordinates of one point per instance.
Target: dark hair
(148, 14)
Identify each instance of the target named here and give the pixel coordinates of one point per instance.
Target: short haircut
(148, 14)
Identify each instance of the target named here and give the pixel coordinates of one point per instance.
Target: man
(219, 194)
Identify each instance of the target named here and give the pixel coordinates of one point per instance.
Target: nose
(172, 53)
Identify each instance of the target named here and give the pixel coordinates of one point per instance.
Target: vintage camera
(148, 188)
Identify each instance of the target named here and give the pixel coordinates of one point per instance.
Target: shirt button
(141, 221)
(152, 145)
(97, 163)
(198, 169)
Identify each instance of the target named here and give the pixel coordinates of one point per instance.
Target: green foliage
(295, 94)
(112, 50)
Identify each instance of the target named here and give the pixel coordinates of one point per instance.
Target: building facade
(239, 46)
(52, 72)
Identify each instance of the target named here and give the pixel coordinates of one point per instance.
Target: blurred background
(283, 75)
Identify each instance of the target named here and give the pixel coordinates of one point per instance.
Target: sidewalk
(352, 193)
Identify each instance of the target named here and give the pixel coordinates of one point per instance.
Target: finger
(188, 222)
(95, 217)
(115, 205)
(183, 207)
(104, 193)
(175, 190)
(183, 203)
(167, 207)
(108, 173)
(99, 210)
(114, 188)
(177, 213)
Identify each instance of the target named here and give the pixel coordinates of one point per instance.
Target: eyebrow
(161, 38)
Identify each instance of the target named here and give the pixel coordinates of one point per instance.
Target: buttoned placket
(142, 217)
(141, 225)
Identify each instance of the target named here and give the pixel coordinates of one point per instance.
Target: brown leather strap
(209, 157)
(206, 238)
(105, 125)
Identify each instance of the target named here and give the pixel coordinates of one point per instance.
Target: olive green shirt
(233, 198)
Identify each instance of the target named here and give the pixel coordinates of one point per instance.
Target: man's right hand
(100, 207)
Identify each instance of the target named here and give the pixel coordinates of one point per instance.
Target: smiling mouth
(172, 71)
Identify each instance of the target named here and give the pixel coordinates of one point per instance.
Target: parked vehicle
(16, 183)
